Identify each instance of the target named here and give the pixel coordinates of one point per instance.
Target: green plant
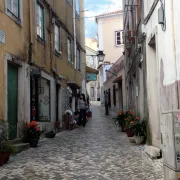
(31, 132)
(139, 128)
(6, 147)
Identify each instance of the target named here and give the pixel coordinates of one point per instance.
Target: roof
(109, 13)
(91, 70)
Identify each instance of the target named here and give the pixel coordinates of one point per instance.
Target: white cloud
(97, 9)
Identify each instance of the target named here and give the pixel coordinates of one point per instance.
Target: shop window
(44, 100)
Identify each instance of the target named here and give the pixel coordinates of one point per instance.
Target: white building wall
(161, 63)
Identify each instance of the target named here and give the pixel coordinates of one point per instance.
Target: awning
(74, 86)
(118, 79)
(91, 70)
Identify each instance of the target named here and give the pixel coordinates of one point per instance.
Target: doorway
(120, 95)
(57, 101)
(12, 100)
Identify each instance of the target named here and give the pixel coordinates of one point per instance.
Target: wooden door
(12, 100)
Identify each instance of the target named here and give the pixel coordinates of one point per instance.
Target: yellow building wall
(18, 38)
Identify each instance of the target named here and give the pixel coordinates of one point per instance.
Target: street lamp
(100, 56)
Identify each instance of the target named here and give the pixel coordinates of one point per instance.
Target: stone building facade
(42, 52)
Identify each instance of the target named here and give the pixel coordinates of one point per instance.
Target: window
(119, 38)
(57, 39)
(13, 6)
(78, 59)
(91, 61)
(69, 50)
(77, 7)
(70, 2)
(40, 21)
(114, 95)
(92, 92)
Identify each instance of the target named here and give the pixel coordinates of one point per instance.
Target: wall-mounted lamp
(162, 16)
(111, 72)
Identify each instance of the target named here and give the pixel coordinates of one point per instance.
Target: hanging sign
(91, 77)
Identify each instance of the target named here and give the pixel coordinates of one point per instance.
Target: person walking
(82, 109)
(106, 102)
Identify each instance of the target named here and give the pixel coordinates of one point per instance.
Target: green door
(12, 100)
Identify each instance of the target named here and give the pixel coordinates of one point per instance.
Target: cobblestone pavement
(97, 152)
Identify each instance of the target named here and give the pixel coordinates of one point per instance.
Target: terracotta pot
(123, 127)
(139, 139)
(34, 142)
(129, 132)
(4, 157)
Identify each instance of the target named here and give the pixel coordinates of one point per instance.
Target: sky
(96, 7)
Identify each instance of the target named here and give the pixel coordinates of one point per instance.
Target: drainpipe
(30, 34)
(75, 46)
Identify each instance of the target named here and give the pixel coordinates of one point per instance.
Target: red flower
(33, 123)
(36, 128)
(137, 118)
(27, 125)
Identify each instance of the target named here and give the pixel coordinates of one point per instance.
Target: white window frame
(69, 49)
(78, 59)
(11, 8)
(121, 38)
(57, 38)
(40, 24)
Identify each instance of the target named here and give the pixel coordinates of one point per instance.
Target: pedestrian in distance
(82, 104)
(106, 103)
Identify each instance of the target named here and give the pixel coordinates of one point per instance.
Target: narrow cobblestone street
(97, 152)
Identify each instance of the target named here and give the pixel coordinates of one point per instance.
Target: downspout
(30, 34)
(75, 46)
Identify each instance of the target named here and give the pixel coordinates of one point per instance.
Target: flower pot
(123, 127)
(129, 132)
(50, 135)
(139, 139)
(34, 142)
(4, 157)
(132, 140)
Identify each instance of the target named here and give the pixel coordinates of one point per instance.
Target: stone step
(21, 147)
(15, 141)
(153, 152)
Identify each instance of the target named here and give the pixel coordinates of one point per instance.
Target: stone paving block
(96, 152)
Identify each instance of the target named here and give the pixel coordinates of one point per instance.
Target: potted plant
(5, 151)
(139, 129)
(50, 134)
(119, 120)
(129, 121)
(5, 148)
(32, 134)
